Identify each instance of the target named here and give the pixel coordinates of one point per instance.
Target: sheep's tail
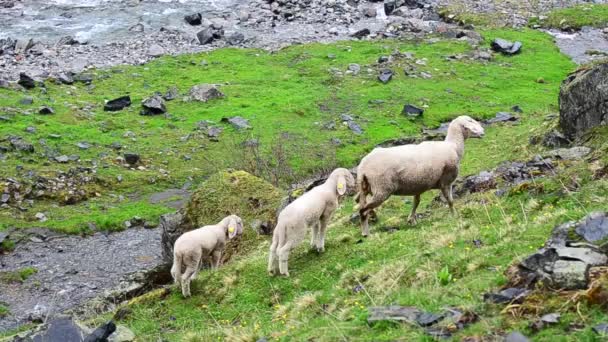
(176, 270)
(364, 190)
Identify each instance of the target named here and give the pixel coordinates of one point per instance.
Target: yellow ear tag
(231, 229)
(340, 186)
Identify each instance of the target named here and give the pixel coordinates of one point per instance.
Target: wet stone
(117, 104)
(412, 111)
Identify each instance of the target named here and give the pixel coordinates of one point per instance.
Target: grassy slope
(239, 302)
(576, 17)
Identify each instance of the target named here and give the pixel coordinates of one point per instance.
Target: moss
(18, 276)
(575, 17)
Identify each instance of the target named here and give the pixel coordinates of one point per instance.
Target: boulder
(194, 19)
(583, 100)
(171, 94)
(117, 104)
(208, 35)
(132, 158)
(235, 38)
(26, 81)
(385, 75)
(22, 45)
(205, 92)
(153, 105)
(361, 33)
(45, 110)
(156, 50)
(222, 194)
(573, 153)
(237, 122)
(412, 111)
(102, 333)
(506, 47)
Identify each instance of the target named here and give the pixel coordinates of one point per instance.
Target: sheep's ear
(240, 226)
(232, 228)
(341, 185)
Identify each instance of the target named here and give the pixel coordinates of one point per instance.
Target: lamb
(191, 247)
(410, 170)
(313, 209)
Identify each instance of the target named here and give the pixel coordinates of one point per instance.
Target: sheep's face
(472, 128)
(345, 181)
(235, 226)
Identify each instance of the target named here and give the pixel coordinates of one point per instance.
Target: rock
(117, 104)
(154, 105)
(412, 111)
(139, 27)
(4, 84)
(26, 81)
(208, 35)
(235, 38)
(594, 227)
(46, 110)
(601, 329)
(205, 92)
(156, 50)
(237, 122)
(506, 47)
(509, 295)
(21, 145)
(65, 78)
(131, 158)
(354, 68)
(354, 127)
(390, 6)
(436, 133)
(22, 45)
(194, 19)
(583, 100)
(516, 336)
(570, 274)
(555, 139)
(502, 117)
(38, 314)
(83, 145)
(370, 12)
(481, 182)
(385, 75)
(406, 314)
(552, 318)
(62, 159)
(361, 33)
(26, 101)
(586, 255)
(214, 132)
(573, 153)
(83, 78)
(398, 142)
(172, 227)
(122, 334)
(102, 333)
(59, 329)
(171, 94)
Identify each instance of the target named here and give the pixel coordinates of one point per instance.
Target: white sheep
(312, 209)
(191, 247)
(410, 170)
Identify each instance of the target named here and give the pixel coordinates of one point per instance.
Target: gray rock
(83, 145)
(44, 110)
(30, 129)
(171, 226)
(235, 38)
(171, 94)
(122, 334)
(583, 100)
(555, 139)
(594, 227)
(506, 47)
(208, 35)
(385, 75)
(568, 274)
(214, 132)
(65, 78)
(153, 105)
(573, 153)
(502, 117)
(237, 122)
(354, 68)
(28, 100)
(21, 145)
(370, 12)
(601, 329)
(38, 314)
(23, 45)
(509, 295)
(393, 313)
(355, 128)
(59, 329)
(586, 255)
(552, 318)
(516, 336)
(412, 111)
(156, 50)
(62, 159)
(205, 92)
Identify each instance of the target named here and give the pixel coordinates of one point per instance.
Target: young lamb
(410, 170)
(313, 209)
(191, 247)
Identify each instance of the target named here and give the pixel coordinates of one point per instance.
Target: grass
(432, 266)
(18, 276)
(288, 96)
(595, 15)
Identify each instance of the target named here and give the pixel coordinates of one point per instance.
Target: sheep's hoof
(320, 250)
(412, 220)
(286, 274)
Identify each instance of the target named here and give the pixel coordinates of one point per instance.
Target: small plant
(27, 272)
(3, 311)
(444, 276)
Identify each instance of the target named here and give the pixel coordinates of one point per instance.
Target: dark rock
(383, 59)
(139, 27)
(361, 33)
(406, 314)
(436, 133)
(84, 78)
(481, 182)
(26, 81)
(509, 295)
(214, 132)
(116, 146)
(354, 127)
(583, 101)
(235, 38)
(502, 117)
(426, 319)
(171, 226)
(132, 158)
(506, 47)
(171, 94)
(208, 35)
(390, 6)
(205, 92)
(594, 227)
(117, 104)
(398, 142)
(601, 329)
(28, 100)
(237, 122)
(65, 78)
(385, 75)
(517, 109)
(21, 145)
(102, 333)
(194, 19)
(67, 40)
(59, 329)
(412, 111)
(154, 105)
(46, 110)
(516, 336)
(555, 139)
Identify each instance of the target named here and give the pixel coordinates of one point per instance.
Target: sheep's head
(235, 226)
(470, 127)
(344, 180)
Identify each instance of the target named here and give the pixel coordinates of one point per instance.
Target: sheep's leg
(272, 258)
(412, 218)
(314, 235)
(283, 253)
(323, 225)
(186, 279)
(176, 272)
(216, 257)
(367, 209)
(447, 193)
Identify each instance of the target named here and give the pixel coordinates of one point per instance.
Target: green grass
(287, 92)
(4, 311)
(17, 276)
(432, 266)
(575, 17)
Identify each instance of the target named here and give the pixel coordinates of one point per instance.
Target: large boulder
(583, 100)
(222, 194)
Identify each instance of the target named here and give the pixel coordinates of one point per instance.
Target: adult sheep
(411, 170)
